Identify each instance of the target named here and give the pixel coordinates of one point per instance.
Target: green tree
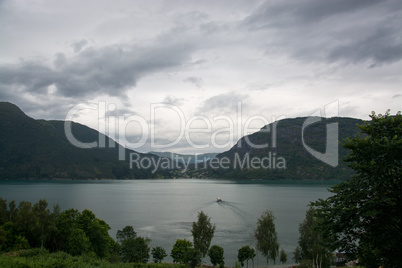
(66, 223)
(215, 254)
(202, 232)
(7, 214)
(12, 211)
(297, 255)
(125, 234)
(141, 250)
(13, 239)
(128, 249)
(364, 214)
(133, 248)
(193, 257)
(3, 211)
(3, 239)
(242, 255)
(115, 253)
(312, 243)
(158, 254)
(25, 222)
(44, 230)
(245, 254)
(180, 251)
(283, 257)
(52, 230)
(44, 222)
(267, 237)
(97, 232)
(35, 226)
(78, 243)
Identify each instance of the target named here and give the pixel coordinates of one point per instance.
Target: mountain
(39, 149)
(185, 158)
(289, 158)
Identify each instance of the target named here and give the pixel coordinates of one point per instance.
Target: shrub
(33, 252)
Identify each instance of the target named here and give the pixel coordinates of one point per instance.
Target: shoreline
(334, 181)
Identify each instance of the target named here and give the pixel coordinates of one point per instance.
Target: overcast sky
(206, 61)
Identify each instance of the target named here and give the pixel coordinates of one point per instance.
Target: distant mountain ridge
(185, 158)
(39, 149)
(299, 163)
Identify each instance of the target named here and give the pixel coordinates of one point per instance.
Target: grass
(36, 258)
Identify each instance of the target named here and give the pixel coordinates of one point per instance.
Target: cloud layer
(275, 57)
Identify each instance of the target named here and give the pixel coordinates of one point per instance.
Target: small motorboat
(218, 199)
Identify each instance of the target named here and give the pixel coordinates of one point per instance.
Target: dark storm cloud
(109, 70)
(282, 13)
(343, 30)
(381, 46)
(215, 46)
(33, 76)
(37, 107)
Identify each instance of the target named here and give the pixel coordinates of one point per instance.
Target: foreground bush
(158, 265)
(42, 258)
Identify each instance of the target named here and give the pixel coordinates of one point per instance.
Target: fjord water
(164, 210)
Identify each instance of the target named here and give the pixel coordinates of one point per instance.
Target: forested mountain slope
(285, 145)
(39, 149)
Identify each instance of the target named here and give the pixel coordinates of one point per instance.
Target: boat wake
(232, 206)
(203, 206)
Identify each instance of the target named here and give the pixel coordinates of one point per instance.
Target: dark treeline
(34, 230)
(30, 229)
(35, 226)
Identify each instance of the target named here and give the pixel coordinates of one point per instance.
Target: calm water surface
(164, 210)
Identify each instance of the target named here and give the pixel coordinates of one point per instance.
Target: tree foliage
(181, 251)
(26, 225)
(364, 216)
(297, 255)
(215, 254)
(245, 254)
(44, 221)
(11, 239)
(125, 234)
(35, 226)
(312, 244)
(78, 242)
(97, 232)
(283, 257)
(193, 257)
(142, 250)
(158, 254)
(267, 237)
(77, 235)
(133, 248)
(202, 232)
